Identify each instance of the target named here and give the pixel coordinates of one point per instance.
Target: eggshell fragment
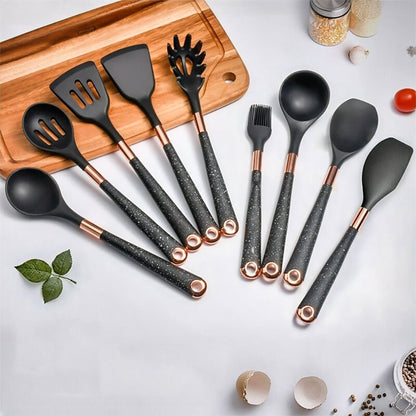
(253, 387)
(310, 392)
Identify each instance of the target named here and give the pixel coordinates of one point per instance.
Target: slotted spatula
(191, 81)
(131, 71)
(82, 90)
(383, 169)
(49, 129)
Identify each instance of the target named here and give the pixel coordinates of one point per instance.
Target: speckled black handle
(304, 247)
(223, 206)
(174, 275)
(320, 288)
(198, 208)
(276, 243)
(252, 234)
(183, 228)
(166, 243)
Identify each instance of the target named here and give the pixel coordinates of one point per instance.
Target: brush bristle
(261, 115)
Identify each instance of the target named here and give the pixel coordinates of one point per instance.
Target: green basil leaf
(35, 270)
(51, 289)
(62, 263)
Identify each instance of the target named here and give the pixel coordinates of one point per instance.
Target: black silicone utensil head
(48, 128)
(33, 192)
(303, 97)
(82, 90)
(383, 169)
(259, 126)
(353, 125)
(186, 63)
(131, 71)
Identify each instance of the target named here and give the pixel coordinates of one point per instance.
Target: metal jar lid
(331, 8)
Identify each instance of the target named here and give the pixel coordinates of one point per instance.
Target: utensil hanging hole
(306, 313)
(48, 131)
(77, 100)
(251, 270)
(42, 137)
(293, 277)
(58, 127)
(212, 235)
(84, 92)
(198, 288)
(229, 77)
(179, 255)
(230, 228)
(93, 90)
(193, 242)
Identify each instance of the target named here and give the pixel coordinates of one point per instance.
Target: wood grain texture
(30, 62)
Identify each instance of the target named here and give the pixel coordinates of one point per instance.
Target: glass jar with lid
(329, 21)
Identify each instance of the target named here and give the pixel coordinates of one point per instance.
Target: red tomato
(405, 100)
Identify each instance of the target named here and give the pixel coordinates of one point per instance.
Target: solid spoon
(303, 97)
(35, 193)
(352, 126)
(48, 128)
(383, 169)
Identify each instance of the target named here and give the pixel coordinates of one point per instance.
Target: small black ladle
(352, 126)
(49, 129)
(304, 96)
(35, 193)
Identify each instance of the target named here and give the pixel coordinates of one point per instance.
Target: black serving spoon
(259, 129)
(191, 81)
(383, 169)
(82, 90)
(49, 129)
(131, 71)
(35, 193)
(303, 97)
(352, 126)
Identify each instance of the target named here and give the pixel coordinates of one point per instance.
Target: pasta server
(190, 80)
(82, 90)
(131, 71)
(383, 169)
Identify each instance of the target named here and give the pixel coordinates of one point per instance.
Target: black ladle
(352, 126)
(82, 90)
(383, 169)
(48, 128)
(35, 193)
(304, 96)
(190, 79)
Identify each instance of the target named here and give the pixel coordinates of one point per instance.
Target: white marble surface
(122, 343)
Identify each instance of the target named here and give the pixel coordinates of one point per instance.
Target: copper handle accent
(94, 174)
(293, 277)
(359, 218)
(212, 235)
(229, 228)
(198, 288)
(291, 162)
(270, 271)
(306, 314)
(161, 134)
(199, 123)
(179, 255)
(193, 242)
(251, 270)
(256, 160)
(91, 229)
(125, 148)
(331, 175)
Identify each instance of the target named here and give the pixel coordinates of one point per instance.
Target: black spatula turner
(83, 92)
(132, 73)
(383, 169)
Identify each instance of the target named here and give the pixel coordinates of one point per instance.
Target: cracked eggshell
(310, 392)
(253, 387)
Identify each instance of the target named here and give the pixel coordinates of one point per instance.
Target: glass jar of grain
(329, 21)
(364, 18)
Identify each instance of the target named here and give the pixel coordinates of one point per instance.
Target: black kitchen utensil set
(34, 192)
(303, 98)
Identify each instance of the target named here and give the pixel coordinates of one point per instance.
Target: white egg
(358, 55)
(253, 387)
(310, 392)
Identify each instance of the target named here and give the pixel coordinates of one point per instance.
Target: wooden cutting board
(30, 62)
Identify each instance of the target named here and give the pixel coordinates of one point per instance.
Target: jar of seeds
(404, 375)
(329, 21)
(364, 18)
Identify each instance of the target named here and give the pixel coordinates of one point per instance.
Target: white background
(122, 343)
